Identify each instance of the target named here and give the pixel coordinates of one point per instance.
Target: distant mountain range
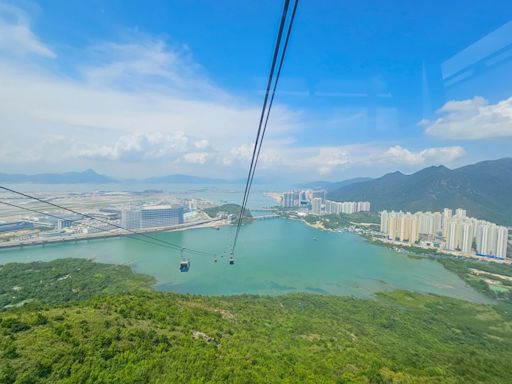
(87, 176)
(484, 189)
(331, 185)
(90, 176)
(188, 179)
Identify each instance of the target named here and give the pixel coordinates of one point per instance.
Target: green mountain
(484, 189)
(65, 280)
(331, 185)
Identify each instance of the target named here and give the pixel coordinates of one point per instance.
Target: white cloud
(140, 146)
(16, 36)
(145, 62)
(472, 119)
(329, 160)
(335, 159)
(241, 152)
(109, 122)
(273, 153)
(132, 100)
(437, 155)
(196, 157)
(200, 144)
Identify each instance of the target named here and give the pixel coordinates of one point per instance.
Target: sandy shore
(274, 196)
(316, 225)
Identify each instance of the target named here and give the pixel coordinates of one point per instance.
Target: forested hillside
(483, 189)
(229, 209)
(150, 337)
(64, 280)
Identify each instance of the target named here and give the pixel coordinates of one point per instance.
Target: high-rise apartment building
(303, 199)
(447, 216)
(346, 207)
(458, 232)
(460, 213)
(415, 234)
(316, 205)
(384, 219)
(317, 194)
(287, 200)
(501, 242)
(467, 237)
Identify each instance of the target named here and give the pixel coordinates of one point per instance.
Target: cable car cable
(262, 115)
(261, 131)
(169, 244)
(273, 93)
(62, 218)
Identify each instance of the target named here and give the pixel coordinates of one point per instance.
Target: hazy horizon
(241, 178)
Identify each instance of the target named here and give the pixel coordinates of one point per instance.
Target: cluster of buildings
(151, 216)
(17, 230)
(346, 207)
(301, 199)
(315, 202)
(446, 230)
(15, 226)
(47, 227)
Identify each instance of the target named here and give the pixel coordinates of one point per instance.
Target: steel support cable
(265, 100)
(91, 226)
(62, 218)
(261, 132)
(273, 93)
(169, 244)
(258, 133)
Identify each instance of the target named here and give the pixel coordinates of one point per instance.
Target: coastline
(211, 223)
(429, 252)
(413, 250)
(317, 225)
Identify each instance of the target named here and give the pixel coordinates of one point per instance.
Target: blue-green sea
(272, 257)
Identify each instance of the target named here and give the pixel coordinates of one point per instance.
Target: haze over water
(273, 256)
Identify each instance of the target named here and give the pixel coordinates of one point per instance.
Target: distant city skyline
(176, 87)
(314, 202)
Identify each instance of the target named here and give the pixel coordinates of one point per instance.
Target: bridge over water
(266, 217)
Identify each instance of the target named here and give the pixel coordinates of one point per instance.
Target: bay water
(273, 256)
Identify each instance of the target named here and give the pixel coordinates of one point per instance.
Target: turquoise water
(273, 256)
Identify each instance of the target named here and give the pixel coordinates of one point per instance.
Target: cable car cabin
(231, 260)
(184, 265)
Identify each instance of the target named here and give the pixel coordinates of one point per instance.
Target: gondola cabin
(184, 265)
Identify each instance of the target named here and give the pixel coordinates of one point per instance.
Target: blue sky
(135, 88)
